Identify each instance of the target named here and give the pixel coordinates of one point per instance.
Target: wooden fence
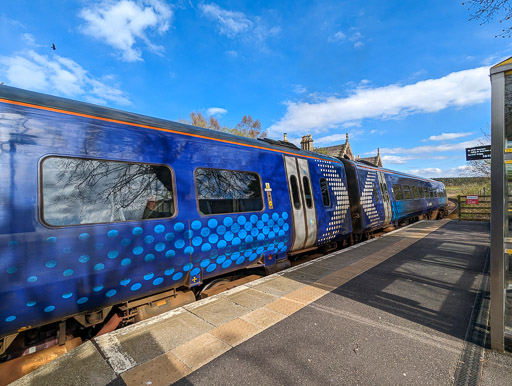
(474, 212)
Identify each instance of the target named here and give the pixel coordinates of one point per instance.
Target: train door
(303, 205)
(385, 198)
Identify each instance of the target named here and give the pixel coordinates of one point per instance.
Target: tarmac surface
(407, 308)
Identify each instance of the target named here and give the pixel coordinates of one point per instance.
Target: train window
(307, 192)
(295, 192)
(228, 191)
(326, 199)
(420, 192)
(84, 191)
(414, 192)
(397, 190)
(407, 192)
(375, 193)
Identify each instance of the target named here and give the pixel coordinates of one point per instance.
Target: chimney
(346, 134)
(284, 138)
(306, 143)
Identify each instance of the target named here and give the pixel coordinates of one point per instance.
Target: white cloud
(236, 24)
(446, 136)
(465, 170)
(229, 23)
(299, 89)
(458, 89)
(328, 140)
(337, 37)
(429, 172)
(216, 111)
(394, 159)
(432, 148)
(123, 23)
(58, 75)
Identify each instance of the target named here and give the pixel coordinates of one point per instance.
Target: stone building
(339, 151)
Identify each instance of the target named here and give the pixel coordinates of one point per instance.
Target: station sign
(471, 200)
(478, 153)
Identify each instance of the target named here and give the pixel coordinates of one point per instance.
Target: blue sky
(408, 77)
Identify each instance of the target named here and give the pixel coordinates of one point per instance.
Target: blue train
(101, 207)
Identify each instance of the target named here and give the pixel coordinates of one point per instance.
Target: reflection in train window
(397, 190)
(414, 192)
(295, 192)
(228, 191)
(307, 192)
(407, 192)
(326, 199)
(84, 191)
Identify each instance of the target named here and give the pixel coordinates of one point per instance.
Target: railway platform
(407, 308)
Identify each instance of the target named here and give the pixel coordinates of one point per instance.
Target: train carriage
(101, 207)
(379, 197)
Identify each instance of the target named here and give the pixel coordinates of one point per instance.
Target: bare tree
(487, 10)
(248, 127)
(480, 168)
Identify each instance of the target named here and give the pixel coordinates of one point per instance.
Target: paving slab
(82, 366)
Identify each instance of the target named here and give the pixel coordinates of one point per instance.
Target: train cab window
(228, 191)
(326, 199)
(295, 192)
(307, 192)
(397, 190)
(414, 192)
(85, 191)
(407, 192)
(375, 193)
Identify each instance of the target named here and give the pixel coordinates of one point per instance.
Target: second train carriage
(379, 197)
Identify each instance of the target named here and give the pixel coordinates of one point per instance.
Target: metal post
(498, 218)
(460, 208)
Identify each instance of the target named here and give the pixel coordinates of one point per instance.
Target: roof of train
(366, 166)
(88, 110)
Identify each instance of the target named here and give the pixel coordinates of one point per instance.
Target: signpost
(471, 200)
(478, 153)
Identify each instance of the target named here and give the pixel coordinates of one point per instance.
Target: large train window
(397, 190)
(307, 192)
(295, 192)
(85, 191)
(228, 191)
(326, 199)
(415, 192)
(420, 192)
(407, 192)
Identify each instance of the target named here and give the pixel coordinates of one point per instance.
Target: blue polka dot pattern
(113, 233)
(136, 287)
(159, 228)
(84, 259)
(169, 252)
(113, 254)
